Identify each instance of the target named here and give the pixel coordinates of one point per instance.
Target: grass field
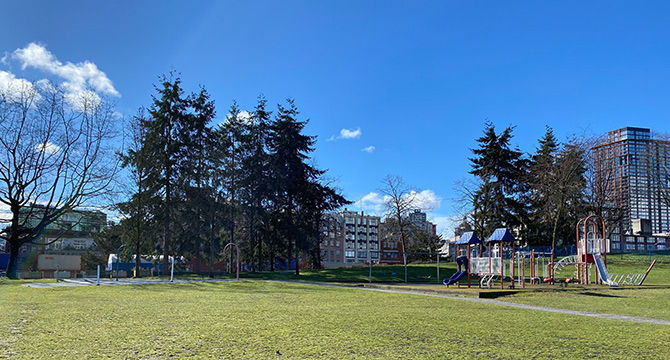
(270, 320)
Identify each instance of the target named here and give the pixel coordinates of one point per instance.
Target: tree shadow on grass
(588, 293)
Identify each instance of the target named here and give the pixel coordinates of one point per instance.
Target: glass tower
(631, 173)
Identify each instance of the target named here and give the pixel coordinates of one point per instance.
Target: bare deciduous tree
(399, 202)
(54, 158)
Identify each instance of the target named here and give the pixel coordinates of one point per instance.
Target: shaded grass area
(257, 319)
(416, 273)
(427, 273)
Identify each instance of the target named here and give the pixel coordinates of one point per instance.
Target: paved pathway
(111, 282)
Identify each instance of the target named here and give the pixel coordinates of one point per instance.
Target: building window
(349, 254)
(362, 254)
(79, 244)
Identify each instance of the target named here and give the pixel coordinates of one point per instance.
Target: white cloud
(49, 148)
(426, 199)
(11, 84)
(244, 116)
(347, 134)
(445, 224)
(81, 81)
(372, 202)
(350, 134)
(5, 213)
(370, 149)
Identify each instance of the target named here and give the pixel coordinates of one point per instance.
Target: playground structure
(467, 239)
(487, 268)
(592, 249)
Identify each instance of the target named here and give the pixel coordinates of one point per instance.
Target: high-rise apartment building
(631, 169)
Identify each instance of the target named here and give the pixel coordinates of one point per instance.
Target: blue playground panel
(4, 261)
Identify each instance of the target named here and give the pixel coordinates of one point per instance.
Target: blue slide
(462, 262)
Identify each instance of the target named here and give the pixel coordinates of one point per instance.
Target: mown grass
(269, 320)
(646, 302)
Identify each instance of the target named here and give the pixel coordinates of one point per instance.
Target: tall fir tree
(163, 143)
(256, 181)
(195, 165)
(139, 207)
(289, 150)
(542, 171)
(501, 170)
(557, 184)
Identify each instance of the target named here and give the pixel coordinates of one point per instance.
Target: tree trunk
(13, 265)
(272, 258)
(138, 260)
(166, 228)
(553, 235)
(198, 259)
(289, 258)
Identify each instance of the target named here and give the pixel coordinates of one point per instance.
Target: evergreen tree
(298, 193)
(162, 146)
(557, 185)
(542, 171)
(195, 166)
(256, 180)
(138, 209)
(501, 169)
(230, 152)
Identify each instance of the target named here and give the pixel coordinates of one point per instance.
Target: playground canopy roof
(469, 238)
(501, 234)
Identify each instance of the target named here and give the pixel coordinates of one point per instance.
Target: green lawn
(267, 320)
(646, 302)
(416, 273)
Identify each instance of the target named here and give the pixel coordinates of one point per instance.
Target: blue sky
(413, 82)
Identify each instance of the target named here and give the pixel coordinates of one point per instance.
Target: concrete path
(112, 282)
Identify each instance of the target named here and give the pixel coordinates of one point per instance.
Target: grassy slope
(252, 319)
